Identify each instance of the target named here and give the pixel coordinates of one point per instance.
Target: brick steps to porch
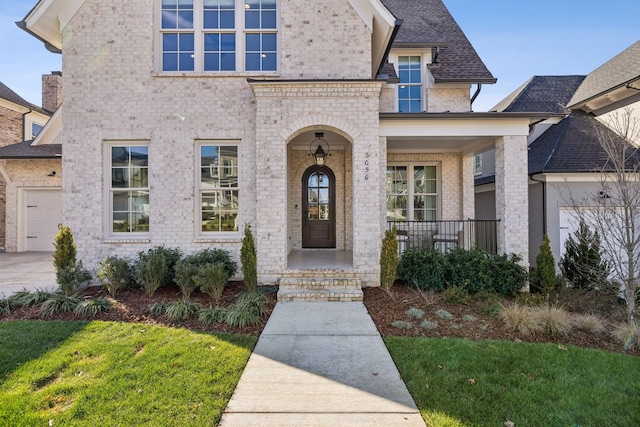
(320, 287)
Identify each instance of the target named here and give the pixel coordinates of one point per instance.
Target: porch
(445, 235)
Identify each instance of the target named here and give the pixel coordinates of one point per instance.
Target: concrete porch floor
(320, 259)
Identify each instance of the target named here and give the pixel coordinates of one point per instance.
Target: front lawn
(110, 373)
(457, 382)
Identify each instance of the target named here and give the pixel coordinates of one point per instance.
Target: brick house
(26, 199)
(185, 120)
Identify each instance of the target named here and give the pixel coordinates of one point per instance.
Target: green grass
(466, 383)
(108, 374)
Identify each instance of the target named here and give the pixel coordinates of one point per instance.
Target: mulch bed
(473, 321)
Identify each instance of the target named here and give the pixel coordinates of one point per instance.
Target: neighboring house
(183, 121)
(566, 159)
(21, 182)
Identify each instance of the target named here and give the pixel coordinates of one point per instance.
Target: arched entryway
(318, 208)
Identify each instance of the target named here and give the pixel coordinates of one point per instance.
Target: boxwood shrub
(477, 270)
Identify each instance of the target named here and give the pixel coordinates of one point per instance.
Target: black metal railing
(444, 235)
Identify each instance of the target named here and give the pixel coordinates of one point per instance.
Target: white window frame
(198, 31)
(477, 164)
(29, 121)
(108, 220)
(411, 187)
(200, 189)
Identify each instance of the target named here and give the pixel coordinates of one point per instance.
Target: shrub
(627, 335)
(211, 279)
(170, 257)
(158, 308)
(588, 323)
(389, 259)
(431, 270)
(151, 271)
(212, 315)
(415, 313)
(469, 318)
(520, 318)
(248, 310)
(401, 324)
(444, 314)
(216, 256)
(185, 277)
(92, 307)
(457, 294)
(423, 269)
(30, 299)
(65, 249)
(429, 325)
(582, 263)
(249, 260)
(544, 279)
(553, 320)
(182, 310)
(115, 273)
(59, 303)
(6, 306)
(72, 278)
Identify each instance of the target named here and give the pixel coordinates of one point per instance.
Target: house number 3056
(366, 166)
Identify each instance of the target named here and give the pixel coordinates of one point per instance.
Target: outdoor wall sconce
(319, 155)
(53, 173)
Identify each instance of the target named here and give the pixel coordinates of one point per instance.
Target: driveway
(30, 270)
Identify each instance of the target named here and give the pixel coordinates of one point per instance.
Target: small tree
(65, 249)
(389, 258)
(582, 264)
(615, 210)
(545, 279)
(248, 259)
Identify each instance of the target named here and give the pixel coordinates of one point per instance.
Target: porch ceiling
(456, 144)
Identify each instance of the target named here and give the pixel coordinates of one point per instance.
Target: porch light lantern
(319, 155)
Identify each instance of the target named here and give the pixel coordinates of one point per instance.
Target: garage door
(44, 213)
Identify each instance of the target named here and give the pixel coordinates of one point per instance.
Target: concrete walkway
(30, 270)
(321, 364)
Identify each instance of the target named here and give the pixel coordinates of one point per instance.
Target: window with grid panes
(412, 192)
(129, 189)
(410, 86)
(218, 188)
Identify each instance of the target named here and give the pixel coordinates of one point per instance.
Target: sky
(516, 39)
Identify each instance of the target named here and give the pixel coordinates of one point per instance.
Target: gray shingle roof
(616, 72)
(571, 146)
(11, 96)
(24, 150)
(429, 22)
(548, 94)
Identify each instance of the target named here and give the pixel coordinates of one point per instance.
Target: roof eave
(583, 104)
(48, 18)
(485, 80)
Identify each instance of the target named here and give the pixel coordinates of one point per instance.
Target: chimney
(52, 91)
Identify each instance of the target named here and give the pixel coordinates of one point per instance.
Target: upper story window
(410, 86)
(219, 35)
(35, 129)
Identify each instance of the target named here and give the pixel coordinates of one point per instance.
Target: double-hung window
(219, 192)
(219, 35)
(412, 192)
(410, 86)
(129, 189)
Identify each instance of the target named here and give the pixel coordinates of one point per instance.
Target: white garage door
(44, 214)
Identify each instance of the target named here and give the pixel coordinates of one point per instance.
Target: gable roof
(9, 95)
(428, 23)
(548, 94)
(614, 75)
(572, 145)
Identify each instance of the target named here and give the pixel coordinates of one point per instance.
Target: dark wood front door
(318, 208)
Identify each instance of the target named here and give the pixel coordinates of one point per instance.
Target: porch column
(512, 196)
(468, 191)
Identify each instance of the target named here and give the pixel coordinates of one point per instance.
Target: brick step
(320, 295)
(315, 283)
(318, 274)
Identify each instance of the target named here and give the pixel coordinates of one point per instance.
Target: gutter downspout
(544, 202)
(24, 125)
(475, 95)
(51, 48)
